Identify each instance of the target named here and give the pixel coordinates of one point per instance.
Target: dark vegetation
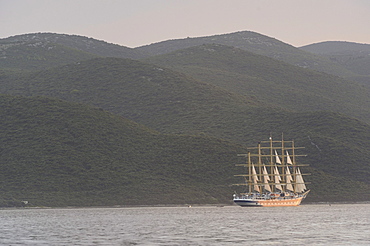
(38, 55)
(352, 56)
(56, 153)
(272, 82)
(255, 43)
(113, 131)
(83, 44)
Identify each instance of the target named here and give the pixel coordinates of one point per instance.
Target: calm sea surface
(337, 224)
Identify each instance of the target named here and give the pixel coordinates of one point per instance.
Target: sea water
(335, 224)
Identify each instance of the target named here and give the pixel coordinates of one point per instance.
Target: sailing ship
(274, 178)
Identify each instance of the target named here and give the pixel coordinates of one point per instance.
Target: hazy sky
(134, 23)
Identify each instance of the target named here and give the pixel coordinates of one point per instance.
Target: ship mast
(272, 164)
(294, 170)
(259, 161)
(250, 173)
(282, 179)
(283, 163)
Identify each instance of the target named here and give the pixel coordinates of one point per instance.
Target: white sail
(288, 160)
(277, 158)
(289, 180)
(266, 187)
(255, 179)
(303, 185)
(277, 178)
(266, 178)
(300, 187)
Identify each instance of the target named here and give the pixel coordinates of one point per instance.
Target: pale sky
(134, 23)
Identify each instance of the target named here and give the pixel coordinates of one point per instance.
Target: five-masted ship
(274, 178)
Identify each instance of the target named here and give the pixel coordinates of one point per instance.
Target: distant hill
(38, 55)
(337, 47)
(55, 153)
(270, 81)
(138, 90)
(145, 92)
(353, 56)
(173, 103)
(255, 43)
(89, 45)
(201, 106)
(246, 40)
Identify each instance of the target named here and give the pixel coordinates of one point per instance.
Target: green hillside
(37, 55)
(255, 43)
(271, 82)
(354, 57)
(170, 102)
(173, 103)
(55, 153)
(58, 153)
(76, 42)
(336, 47)
(245, 40)
(140, 91)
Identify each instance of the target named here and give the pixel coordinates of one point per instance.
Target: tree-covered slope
(55, 153)
(170, 102)
(271, 82)
(336, 47)
(354, 57)
(59, 153)
(245, 40)
(255, 43)
(38, 55)
(140, 91)
(76, 42)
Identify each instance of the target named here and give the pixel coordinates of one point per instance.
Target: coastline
(220, 205)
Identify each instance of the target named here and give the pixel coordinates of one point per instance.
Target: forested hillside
(269, 81)
(55, 153)
(255, 43)
(76, 42)
(30, 56)
(80, 128)
(354, 57)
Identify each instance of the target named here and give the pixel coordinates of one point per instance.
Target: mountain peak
(90, 45)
